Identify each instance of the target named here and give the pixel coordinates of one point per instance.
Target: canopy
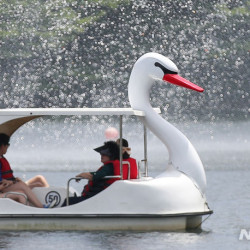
(12, 119)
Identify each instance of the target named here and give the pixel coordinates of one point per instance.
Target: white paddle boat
(174, 200)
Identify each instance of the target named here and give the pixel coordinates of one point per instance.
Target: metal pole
(67, 197)
(121, 172)
(145, 151)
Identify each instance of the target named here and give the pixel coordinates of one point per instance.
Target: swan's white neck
(182, 154)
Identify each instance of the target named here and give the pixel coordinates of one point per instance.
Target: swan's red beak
(180, 81)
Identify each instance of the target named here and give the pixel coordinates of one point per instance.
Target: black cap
(124, 142)
(103, 150)
(110, 148)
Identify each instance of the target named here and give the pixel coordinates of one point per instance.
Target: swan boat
(173, 200)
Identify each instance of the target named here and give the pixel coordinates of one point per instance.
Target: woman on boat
(110, 158)
(12, 184)
(19, 187)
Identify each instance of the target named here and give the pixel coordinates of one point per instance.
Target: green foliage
(80, 53)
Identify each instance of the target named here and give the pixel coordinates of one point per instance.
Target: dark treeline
(75, 53)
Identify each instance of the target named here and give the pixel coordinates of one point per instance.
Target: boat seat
(48, 194)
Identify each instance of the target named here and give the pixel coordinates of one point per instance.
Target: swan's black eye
(165, 70)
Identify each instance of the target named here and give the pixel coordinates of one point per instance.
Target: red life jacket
(125, 167)
(105, 182)
(133, 169)
(6, 170)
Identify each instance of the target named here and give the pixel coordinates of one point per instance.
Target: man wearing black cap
(109, 157)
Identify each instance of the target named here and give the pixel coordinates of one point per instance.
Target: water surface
(223, 147)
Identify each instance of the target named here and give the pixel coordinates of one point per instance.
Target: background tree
(75, 53)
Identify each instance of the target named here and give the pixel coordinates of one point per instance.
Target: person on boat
(20, 186)
(126, 152)
(16, 197)
(7, 172)
(96, 182)
(12, 184)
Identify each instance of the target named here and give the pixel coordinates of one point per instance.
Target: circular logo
(53, 195)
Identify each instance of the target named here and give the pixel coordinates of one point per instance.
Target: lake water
(224, 149)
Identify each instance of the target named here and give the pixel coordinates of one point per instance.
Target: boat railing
(17, 193)
(68, 183)
(129, 167)
(112, 177)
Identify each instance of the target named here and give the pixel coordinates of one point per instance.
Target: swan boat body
(174, 200)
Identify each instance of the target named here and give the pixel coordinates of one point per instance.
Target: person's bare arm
(85, 175)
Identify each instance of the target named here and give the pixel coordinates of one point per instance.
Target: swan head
(146, 71)
(182, 155)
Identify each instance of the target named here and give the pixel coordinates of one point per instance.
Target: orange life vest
(6, 170)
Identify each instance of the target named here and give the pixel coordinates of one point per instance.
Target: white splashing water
(67, 145)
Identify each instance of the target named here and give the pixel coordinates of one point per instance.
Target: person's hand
(6, 183)
(78, 178)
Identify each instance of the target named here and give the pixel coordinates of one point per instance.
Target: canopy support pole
(145, 151)
(121, 172)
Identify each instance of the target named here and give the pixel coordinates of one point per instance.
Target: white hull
(147, 204)
(102, 222)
